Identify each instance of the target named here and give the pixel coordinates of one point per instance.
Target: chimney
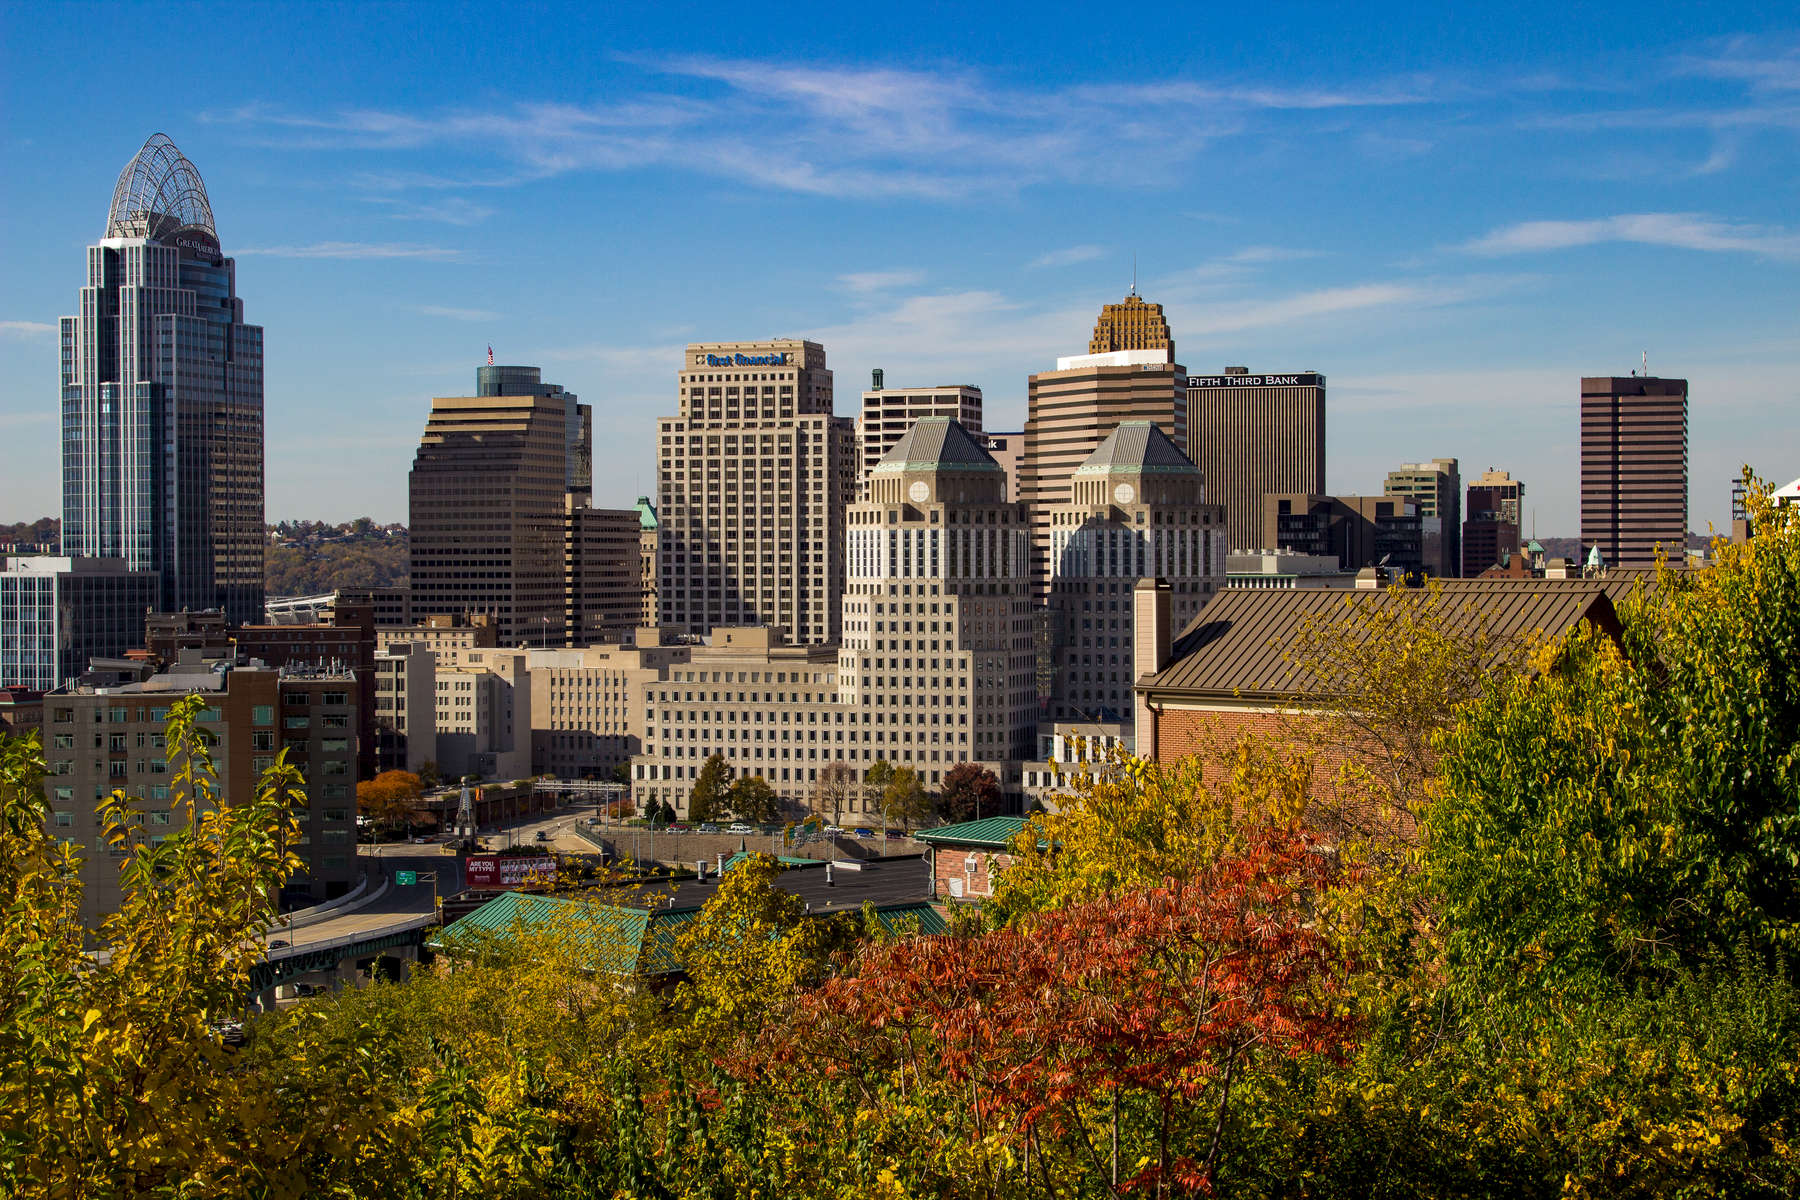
(719, 864)
(828, 880)
(700, 870)
(1151, 639)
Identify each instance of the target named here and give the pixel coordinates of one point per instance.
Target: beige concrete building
(1138, 509)
(753, 477)
(649, 612)
(588, 705)
(484, 716)
(1128, 374)
(1253, 435)
(97, 739)
(449, 636)
(887, 414)
(936, 665)
(405, 707)
(1436, 487)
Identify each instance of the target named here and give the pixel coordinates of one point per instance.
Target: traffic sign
(406, 878)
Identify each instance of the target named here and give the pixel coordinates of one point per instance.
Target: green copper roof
(994, 833)
(1137, 447)
(936, 444)
(646, 513)
(623, 939)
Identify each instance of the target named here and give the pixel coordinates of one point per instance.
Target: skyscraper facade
(1253, 436)
(753, 476)
(1634, 487)
(1128, 374)
(1138, 510)
(162, 398)
(489, 506)
(1437, 488)
(887, 413)
(1491, 523)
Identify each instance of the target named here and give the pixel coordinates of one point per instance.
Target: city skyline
(1449, 229)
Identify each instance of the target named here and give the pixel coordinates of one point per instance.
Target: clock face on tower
(920, 491)
(1124, 493)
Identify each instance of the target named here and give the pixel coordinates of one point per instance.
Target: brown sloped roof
(1235, 645)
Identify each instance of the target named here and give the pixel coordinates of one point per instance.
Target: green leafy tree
(752, 799)
(711, 791)
(969, 791)
(904, 800)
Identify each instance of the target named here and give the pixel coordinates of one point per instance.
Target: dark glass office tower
(162, 398)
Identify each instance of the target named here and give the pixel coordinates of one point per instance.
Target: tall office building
(57, 614)
(1138, 511)
(1437, 488)
(887, 413)
(753, 476)
(1491, 522)
(1634, 489)
(490, 496)
(162, 398)
(1358, 531)
(1128, 374)
(1254, 435)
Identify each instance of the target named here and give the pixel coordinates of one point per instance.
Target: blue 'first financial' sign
(747, 360)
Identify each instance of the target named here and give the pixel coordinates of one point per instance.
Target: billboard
(503, 871)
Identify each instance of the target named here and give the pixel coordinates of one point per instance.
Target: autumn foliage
(1160, 1000)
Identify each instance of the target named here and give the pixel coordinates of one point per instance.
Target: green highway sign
(406, 878)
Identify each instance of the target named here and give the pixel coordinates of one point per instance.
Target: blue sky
(1452, 215)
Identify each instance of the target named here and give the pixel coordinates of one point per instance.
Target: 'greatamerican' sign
(746, 360)
(1231, 381)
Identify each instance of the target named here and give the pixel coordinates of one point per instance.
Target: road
(394, 906)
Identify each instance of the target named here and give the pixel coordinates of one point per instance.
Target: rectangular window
(64, 820)
(335, 766)
(262, 739)
(335, 721)
(296, 722)
(335, 698)
(263, 714)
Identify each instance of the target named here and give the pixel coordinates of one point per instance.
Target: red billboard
(504, 871)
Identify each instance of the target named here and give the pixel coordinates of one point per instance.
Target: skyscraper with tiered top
(162, 398)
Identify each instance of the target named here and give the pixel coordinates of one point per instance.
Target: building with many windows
(1492, 522)
(1253, 436)
(753, 475)
(162, 398)
(1436, 487)
(1128, 374)
(1138, 509)
(887, 414)
(58, 613)
(98, 739)
(1634, 484)
(1358, 531)
(936, 666)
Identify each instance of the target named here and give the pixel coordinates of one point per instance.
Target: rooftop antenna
(1646, 364)
(1134, 272)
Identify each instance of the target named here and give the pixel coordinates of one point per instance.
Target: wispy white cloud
(1751, 61)
(1686, 231)
(457, 314)
(866, 282)
(875, 132)
(354, 250)
(1068, 257)
(1242, 316)
(25, 329)
(450, 210)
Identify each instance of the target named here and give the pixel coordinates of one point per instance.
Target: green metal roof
(936, 444)
(646, 513)
(786, 860)
(993, 832)
(1137, 448)
(624, 939)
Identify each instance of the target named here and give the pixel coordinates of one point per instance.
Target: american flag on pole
(490, 356)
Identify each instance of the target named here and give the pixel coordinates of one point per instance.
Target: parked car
(832, 830)
(278, 944)
(897, 833)
(543, 835)
(865, 833)
(680, 828)
(740, 827)
(709, 827)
